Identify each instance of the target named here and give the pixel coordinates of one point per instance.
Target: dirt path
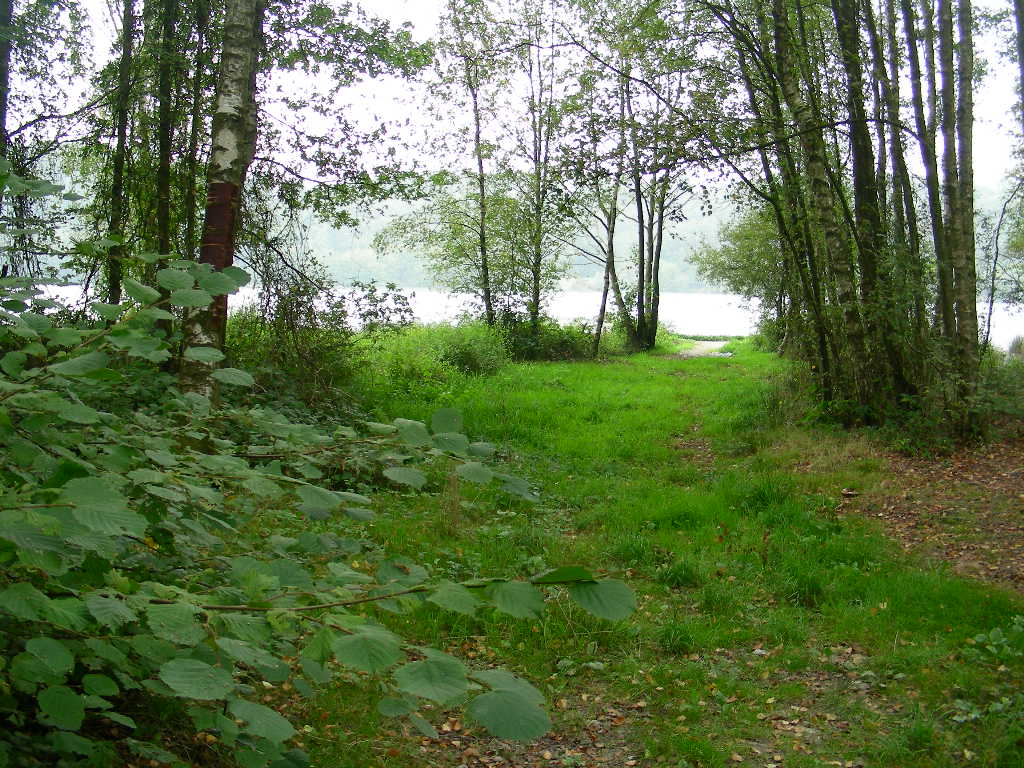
(966, 508)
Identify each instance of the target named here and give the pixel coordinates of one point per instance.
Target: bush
(552, 342)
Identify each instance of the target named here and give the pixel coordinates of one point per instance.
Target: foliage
(302, 337)
(549, 341)
(136, 585)
(444, 232)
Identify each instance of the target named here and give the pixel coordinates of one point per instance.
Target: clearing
(779, 624)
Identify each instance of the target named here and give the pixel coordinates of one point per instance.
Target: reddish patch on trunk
(218, 247)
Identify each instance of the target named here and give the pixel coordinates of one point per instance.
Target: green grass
(758, 604)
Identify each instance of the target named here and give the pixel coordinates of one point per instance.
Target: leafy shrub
(552, 341)
(158, 565)
(303, 335)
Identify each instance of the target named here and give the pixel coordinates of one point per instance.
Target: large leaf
(141, 293)
(475, 472)
(406, 476)
(233, 376)
(518, 598)
(509, 714)
(82, 365)
(262, 721)
(609, 599)
(174, 279)
(62, 707)
(204, 354)
(413, 432)
(318, 503)
(101, 508)
(176, 623)
(193, 679)
(452, 442)
(53, 653)
(217, 283)
(109, 611)
(368, 649)
(439, 677)
(454, 597)
(446, 420)
(190, 298)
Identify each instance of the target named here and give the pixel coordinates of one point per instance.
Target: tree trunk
(118, 196)
(1018, 14)
(6, 49)
(929, 158)
(165, 122)
(202, 20)
(233, 144)
(964, 264)
(822, 206)
(485, 267)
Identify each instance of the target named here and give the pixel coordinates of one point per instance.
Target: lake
(697, 314)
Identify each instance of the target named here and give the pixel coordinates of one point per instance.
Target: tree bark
(821, 203)
(929, 158)
(165, 122)
(118, 197)
(233, 145)
(481, 180)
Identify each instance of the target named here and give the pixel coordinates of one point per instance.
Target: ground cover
(779, 623)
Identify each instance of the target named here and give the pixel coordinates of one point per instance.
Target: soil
(966, 508)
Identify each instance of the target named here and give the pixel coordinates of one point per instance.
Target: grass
(769, 626)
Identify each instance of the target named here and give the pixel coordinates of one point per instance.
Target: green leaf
(24, 601)
(204, 354)
(176, 623)
(99, 685)
(317, 502)
(109, 611)
(247, 653)
(439, 677)
(100, 508)
(406, 476)
(518, 598)
(503, 680)
(413, 432)
(193, 679)
(446, 420)
(233, 376)
(475, 472)
(423, 726)
(77, 413)
(82, 365)
(174, 279)
(368, 649)
(510, 715)
(238, 275)
(395, 707)
(483, 450)
(453, 442)
(190, 297)
(217, 283)
(62, 707)
(261, 721)
(53, 653)
(566, 573)
(141, 293)
(454, 597)
(609, 599)
(111, 312)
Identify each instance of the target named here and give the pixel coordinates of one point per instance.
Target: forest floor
(806, 597)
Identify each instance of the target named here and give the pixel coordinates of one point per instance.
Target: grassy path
(774, 628)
